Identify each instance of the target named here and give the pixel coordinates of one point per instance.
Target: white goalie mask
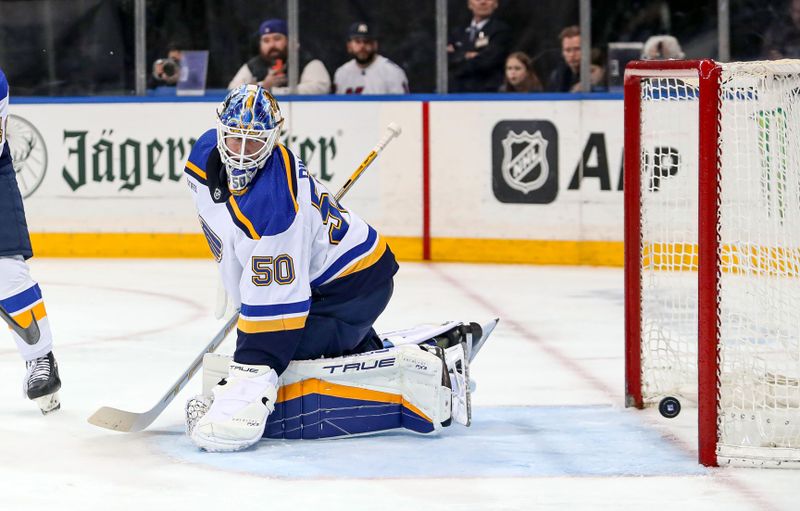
(248, 124)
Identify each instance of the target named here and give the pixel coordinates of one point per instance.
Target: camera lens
(169, 68)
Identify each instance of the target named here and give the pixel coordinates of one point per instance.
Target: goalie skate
(456, 358)
(461, 344)
(444, 335)
(42, 383)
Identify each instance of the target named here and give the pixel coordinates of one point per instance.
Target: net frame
(708, 75)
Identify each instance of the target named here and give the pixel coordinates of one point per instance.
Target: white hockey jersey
(283, 239)
(381, 77)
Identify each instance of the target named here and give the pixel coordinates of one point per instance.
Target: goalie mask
(248, 124)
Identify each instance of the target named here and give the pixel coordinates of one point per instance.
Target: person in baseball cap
(268, 68)
(368, 72)
(273, 26)
(362, 30)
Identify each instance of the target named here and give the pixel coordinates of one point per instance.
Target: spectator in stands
(268, 68)
(782, 37)
(597, 73)
(568, 72)
(520, 75)
(368, 72)
(476, 53)
(166, 71)
(662, 47)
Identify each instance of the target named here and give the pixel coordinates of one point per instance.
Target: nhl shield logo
(525, 162)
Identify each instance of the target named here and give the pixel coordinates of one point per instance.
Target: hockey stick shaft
(392, 131)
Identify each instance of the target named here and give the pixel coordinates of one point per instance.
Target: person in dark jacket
(477, 53)
(566, 77)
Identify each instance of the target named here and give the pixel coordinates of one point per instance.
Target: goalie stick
(393, 130)
(131, 422)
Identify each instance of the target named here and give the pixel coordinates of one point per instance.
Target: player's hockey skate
(42, 383)
(235, 416)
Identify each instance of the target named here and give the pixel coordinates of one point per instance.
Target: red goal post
(712, 220)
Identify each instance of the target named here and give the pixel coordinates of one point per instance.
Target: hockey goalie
(310, 278)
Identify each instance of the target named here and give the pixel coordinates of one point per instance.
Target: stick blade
(119, 420)
(487, 328)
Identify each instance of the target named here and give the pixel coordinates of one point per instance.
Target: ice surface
(549, 431)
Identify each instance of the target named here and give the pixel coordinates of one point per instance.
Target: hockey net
(713, 251)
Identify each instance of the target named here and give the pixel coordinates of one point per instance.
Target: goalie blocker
(420, 387)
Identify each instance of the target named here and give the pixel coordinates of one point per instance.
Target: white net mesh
(669, 136)
(759, 235)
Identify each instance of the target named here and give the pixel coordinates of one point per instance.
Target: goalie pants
(336, 325)
(14, 237)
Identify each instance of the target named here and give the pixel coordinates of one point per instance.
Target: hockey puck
(669, 407)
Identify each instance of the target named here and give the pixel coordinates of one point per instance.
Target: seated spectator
(476, 53)
(568, 72)
(520, 76)
(368, 72)
(782, 37)
(268, 68)
(597, 73)
(662, 47)
(167, 71)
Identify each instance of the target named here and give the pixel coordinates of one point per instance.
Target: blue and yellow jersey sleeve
(198, 158)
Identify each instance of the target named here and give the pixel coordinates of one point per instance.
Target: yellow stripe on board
(134, 245)
(405, 248)
(24, 319)
(163, 245)
(736, 259)
(326, 388)
(250, 326)
(570, 253)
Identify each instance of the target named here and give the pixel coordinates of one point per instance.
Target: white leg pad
(405, 374)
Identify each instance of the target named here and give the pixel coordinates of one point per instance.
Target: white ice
(549, 428)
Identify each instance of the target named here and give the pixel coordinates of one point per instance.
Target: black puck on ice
(669, 407)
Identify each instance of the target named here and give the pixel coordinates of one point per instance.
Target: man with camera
(268, 68)
(167, 71)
